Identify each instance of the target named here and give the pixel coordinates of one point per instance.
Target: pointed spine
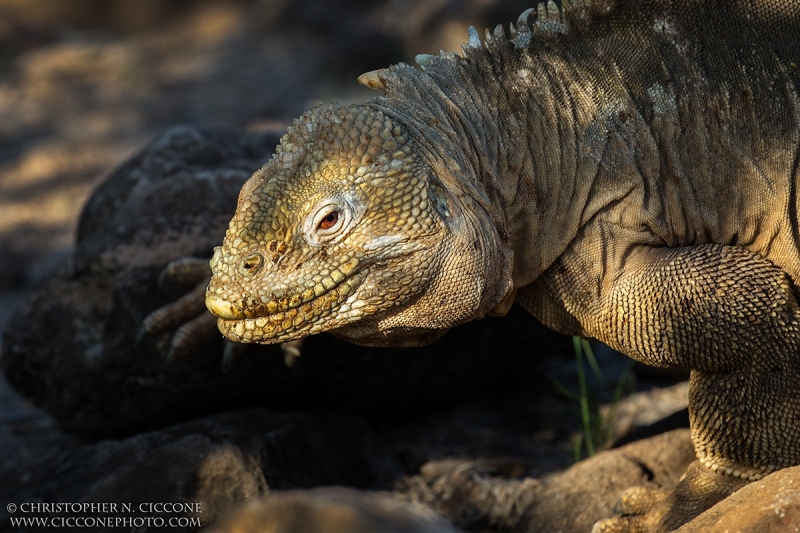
(522, 21)
(512, 31)
(473, 43)
(373, 79)
(474, 38)
(499, 33)
(541, 12)
(550, 19)
(425, 61)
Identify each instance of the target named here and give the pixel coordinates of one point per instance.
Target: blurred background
(85, 84)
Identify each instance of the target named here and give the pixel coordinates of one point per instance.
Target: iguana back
(716, 85)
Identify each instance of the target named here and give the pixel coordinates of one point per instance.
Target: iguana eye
(329, 221)
(332, 218)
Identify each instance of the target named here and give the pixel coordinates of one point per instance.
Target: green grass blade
(587, 349)
(586, 418)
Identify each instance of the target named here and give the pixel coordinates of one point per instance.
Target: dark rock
(482, 496)
(331, 510)
(771, 505)
(71, 346)
(256, 456)
(213, 462)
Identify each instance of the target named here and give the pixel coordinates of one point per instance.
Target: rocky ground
(472, 433)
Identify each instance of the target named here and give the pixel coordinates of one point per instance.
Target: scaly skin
(297, 274)
(625, 171)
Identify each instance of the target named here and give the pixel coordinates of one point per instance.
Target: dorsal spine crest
(551, 21)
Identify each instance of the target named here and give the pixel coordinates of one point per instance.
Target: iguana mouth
(268, 323)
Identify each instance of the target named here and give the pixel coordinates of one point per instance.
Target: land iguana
(623, 170)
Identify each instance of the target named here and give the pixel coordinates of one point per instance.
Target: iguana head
(348, 228)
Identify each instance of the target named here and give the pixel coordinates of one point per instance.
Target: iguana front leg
(729, 315)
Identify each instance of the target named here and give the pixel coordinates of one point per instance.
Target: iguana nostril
(251, 264)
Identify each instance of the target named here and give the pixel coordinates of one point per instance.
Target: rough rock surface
(332, 510)
(213, 461)
(771, 505)
(476, 495)
(258, 455)
(71, 347)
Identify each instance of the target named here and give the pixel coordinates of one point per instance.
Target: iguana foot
(644, 510)
(185, 309)
(190, 319)
(198, 330)
(186, 272)
(187, 315)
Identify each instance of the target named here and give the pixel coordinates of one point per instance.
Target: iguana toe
(640, 509)
(188, 271)
(191, 334)
(180, 311)
(639, 500)
(625, 524)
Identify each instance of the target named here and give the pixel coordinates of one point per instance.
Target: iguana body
(626, 171)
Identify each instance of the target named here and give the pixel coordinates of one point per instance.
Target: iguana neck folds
(514, 139)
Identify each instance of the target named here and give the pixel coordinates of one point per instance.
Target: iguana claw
(188, 313)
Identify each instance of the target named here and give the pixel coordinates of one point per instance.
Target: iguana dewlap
(626, 171)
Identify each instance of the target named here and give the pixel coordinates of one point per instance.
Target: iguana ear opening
(440, 202)
(473, 276)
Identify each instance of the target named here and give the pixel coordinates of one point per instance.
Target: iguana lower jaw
(258, 324)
